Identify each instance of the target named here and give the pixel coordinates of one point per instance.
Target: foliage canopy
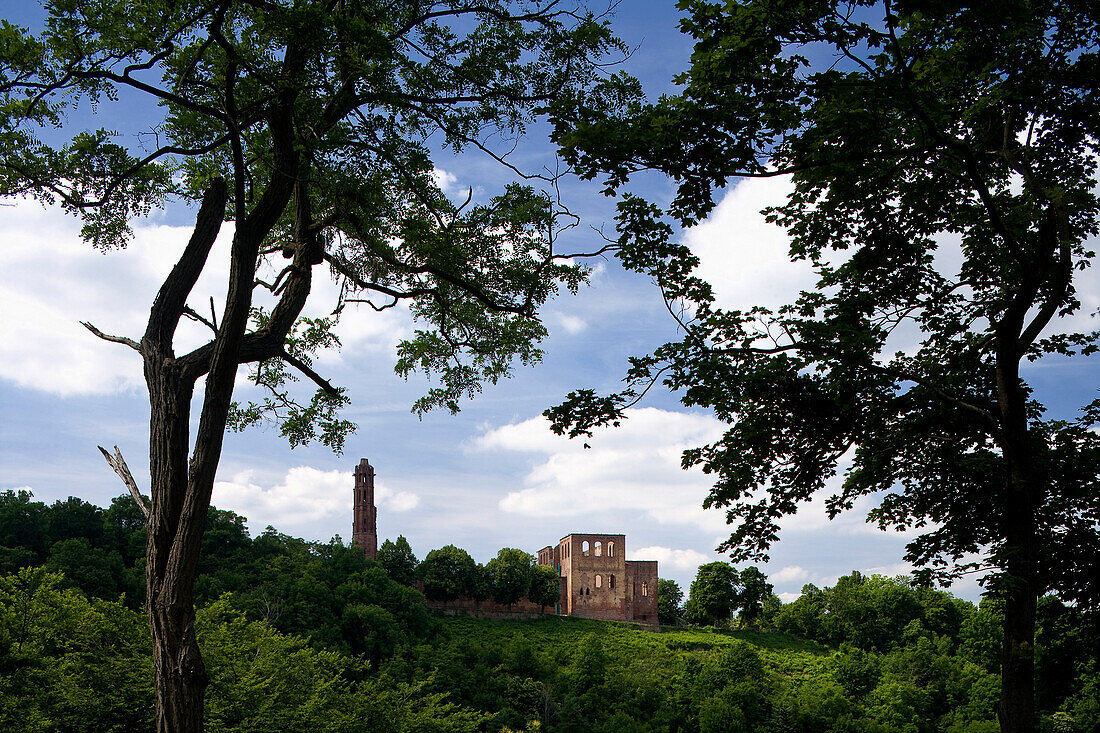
(943, 160)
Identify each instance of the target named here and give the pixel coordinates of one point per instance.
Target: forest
(307, 636)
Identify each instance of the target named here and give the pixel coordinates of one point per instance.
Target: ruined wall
(488, 609)
(642, 578)
(594, 568)
(597, 581)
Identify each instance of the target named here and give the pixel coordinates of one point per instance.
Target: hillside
(305, 636)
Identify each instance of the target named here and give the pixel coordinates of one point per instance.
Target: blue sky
(492, 476)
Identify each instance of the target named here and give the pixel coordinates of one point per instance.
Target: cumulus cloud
(445, 180)
(305, 495)
(667, 557)
(742, 256)
(572, 324)
(635, 466)
(789, 574)
(746, 260)
(53, 281)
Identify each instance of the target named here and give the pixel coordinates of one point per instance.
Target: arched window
(584, 548)
(599, 549)
(645, 588)
(610, 581)
(599, 581)
(588, 591)
(611, 549)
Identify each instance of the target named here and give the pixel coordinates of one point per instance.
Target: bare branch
(195, 316)
(113, 339)
(118, 463)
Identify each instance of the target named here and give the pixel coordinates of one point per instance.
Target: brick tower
(364, 531)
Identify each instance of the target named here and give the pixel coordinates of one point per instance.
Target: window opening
(645, 588)
(611, 549)
(599, 549)
(599, 581)
(611, 581)
(584, 548)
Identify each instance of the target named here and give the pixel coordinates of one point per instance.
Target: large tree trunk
(181, 485)
(1016, 710)
(1020, 584)
(179, 673)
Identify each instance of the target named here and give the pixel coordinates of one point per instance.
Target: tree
(398, 560)
(70, 663)
(713, 594)
(23, 535)
(669, 597)
(447, 573)
(74, 518)
(307, 125)
(95, 571)
(969, 130)
(754, 591)
(510, 573)
(545, 588)
(480, 586)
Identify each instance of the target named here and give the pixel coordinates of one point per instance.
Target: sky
(489, 477)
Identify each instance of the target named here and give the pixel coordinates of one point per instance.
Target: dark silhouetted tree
(447, 573)
(753, 593)
(545, 588)
(510, 573)
(943, 159)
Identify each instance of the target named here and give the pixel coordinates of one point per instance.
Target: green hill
(306, 636)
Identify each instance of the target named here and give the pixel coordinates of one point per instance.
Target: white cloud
(635, 466)
(445, 180)
(397, 501)
(305, 495)
(572, 324)
(53, 280)
(789, 574)
(743, 257)
(746, 260)
(448, 184)
(667, 557)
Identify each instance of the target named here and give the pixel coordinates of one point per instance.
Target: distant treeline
(311, 636)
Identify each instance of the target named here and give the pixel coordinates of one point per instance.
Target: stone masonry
(364, 530)
(597, 581)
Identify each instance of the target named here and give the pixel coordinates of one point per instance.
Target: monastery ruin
(597, 581)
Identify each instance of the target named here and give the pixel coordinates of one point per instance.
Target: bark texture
(181, 486)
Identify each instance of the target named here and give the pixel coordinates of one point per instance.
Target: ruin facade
(364, 528)
(597, 581)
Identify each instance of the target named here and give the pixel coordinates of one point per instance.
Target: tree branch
(118, 463)
(308, 371)
(113, 339)
(171, 300)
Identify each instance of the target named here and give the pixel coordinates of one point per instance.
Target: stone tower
(364, 531)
